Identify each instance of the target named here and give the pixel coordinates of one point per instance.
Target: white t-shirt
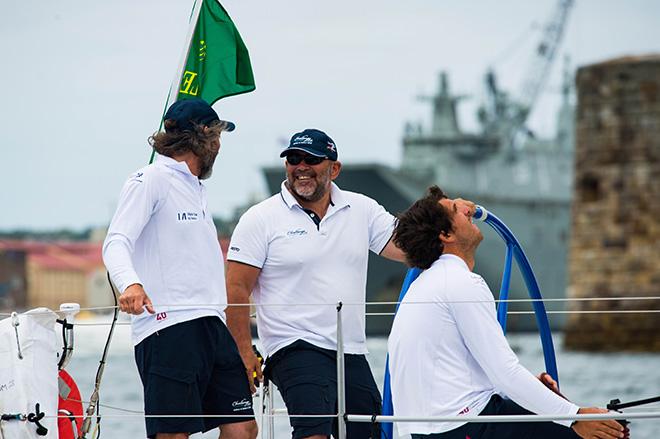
(448, 358)
(163, 237)
(306, 271)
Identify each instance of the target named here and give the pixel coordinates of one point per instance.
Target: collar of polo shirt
(174, 164)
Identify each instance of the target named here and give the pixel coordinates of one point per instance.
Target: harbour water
(587, 379)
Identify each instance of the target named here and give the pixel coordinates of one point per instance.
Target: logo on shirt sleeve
(478, 280)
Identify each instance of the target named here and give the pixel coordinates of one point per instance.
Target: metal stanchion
(341, 395)
(261, 403)
(270, 419)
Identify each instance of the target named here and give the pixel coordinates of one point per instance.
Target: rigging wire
(94, 399)
(516, 44)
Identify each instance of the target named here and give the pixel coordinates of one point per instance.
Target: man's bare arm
(241, 279)
(391, 251)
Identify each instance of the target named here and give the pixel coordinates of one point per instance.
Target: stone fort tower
(615, 245)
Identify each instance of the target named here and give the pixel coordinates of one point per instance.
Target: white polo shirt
(306, 270)
(163, 237)
(448, 358)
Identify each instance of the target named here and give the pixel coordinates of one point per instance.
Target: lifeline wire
(558, 299)
(471, 419)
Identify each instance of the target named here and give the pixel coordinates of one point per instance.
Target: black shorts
(306, 376)
(192, 368)
(498, 430)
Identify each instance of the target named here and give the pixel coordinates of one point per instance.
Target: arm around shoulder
(392, 252)
(381, 232)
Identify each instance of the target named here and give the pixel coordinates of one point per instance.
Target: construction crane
(507, 118)
(543, 58)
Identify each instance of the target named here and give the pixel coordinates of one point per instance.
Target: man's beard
(206, 164)
(322, 181)
(471, 242)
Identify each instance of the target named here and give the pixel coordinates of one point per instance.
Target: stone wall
(615, 243)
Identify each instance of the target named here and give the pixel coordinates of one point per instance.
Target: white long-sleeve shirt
(448, 356)
(163, 237)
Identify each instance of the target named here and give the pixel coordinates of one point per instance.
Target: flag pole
(173, 93)
(194, 18)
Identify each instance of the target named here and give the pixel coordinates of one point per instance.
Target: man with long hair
(163, 255)
(448, 354)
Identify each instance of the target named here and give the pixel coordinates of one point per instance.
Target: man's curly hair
(419, 227)
(177, 142)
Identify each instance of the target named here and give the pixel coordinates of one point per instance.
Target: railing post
(271, 413)
(261, 404)
(341, 395)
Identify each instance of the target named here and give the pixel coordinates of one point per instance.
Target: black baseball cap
(188, 112)
(314, 142)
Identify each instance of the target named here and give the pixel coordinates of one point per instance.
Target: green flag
(217, 64)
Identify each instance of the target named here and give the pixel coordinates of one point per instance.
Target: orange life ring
(69, 408)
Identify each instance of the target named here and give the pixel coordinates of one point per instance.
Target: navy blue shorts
(306, 376)
(192, 368)
(500, 430)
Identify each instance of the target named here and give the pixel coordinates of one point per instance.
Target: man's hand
(550, 383)
(602, 429)
(252, 368)
(134, 299)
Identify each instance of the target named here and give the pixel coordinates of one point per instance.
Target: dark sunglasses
(295, 159)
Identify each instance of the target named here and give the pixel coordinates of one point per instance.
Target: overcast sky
(85, 83)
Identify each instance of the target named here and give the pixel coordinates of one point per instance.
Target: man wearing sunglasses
(299, 253)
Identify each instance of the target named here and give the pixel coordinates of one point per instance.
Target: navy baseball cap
(314, 142)
(193, 111)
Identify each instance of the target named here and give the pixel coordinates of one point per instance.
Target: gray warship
(523, 179)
